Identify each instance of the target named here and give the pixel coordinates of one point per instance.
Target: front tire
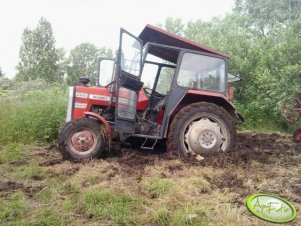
(201, 129)
(84, 138)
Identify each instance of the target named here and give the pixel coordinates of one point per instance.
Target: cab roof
(159, 36)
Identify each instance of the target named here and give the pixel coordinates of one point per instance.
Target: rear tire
(84, 138)
(201, 129)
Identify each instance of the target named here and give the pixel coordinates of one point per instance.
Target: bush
(261, 118)
(32, 112)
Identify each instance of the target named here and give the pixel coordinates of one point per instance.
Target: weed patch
(13, 207)
(157, 187)
(32, 114)
(104, 204)
(11, 152)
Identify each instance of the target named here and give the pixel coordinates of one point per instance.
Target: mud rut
(267, 150)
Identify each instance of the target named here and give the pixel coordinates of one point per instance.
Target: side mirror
(84, 81)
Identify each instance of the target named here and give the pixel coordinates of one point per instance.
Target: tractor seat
(158, 107)
(152, 113)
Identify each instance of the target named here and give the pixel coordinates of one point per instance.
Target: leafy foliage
(83, 62)
(32, 112)
(264, 15)
(38, 56)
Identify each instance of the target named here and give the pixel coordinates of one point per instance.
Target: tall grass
(32, 112)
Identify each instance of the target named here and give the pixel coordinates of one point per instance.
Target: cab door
(128, 84)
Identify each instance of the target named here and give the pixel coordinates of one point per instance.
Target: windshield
(202, 72)
(164, 80)
(105, 71)
(131, 55)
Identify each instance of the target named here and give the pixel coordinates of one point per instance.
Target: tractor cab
(169, 72)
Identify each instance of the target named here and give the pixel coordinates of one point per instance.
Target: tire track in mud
(266, 150)
(261, 147)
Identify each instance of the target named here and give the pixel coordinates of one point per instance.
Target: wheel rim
(83, 142)
(205, 135)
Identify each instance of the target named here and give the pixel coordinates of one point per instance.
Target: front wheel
(201, 129)
(82, 139)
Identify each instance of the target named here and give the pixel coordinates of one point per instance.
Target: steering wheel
(150, 92)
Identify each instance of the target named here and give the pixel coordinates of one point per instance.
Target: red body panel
(103, 121)
(85, 97)
(205, 93)
(212, 94)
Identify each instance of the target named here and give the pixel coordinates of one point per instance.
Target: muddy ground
(260, 163)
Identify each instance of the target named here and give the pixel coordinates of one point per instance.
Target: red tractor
(160, 87)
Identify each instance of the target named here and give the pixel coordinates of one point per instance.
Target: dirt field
(138, 187)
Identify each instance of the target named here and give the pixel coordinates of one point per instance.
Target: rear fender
(102, 120)
(197, 96)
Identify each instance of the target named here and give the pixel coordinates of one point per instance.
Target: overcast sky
(95, 21)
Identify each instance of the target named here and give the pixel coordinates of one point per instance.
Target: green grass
(262, 119)
(201, 184)
(157, 187)
(32, 113)
(104, 204)
(11, 152)
(161, 216)
(14, 208)
(30, 172)
(190, 215)
(185, 196)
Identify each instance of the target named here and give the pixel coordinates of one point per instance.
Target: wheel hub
(207, 139)
(203, 137)
(82, 141)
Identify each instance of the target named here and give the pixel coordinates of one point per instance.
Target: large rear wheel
(201, 129)
(83, 139)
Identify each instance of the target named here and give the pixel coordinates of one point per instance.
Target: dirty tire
(72, 134)
(214, 114)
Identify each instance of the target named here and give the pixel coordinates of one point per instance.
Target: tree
(62, 64)
(173, 25)
(1, 73)
(38, 56)
(83, 62)
(264, 15)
